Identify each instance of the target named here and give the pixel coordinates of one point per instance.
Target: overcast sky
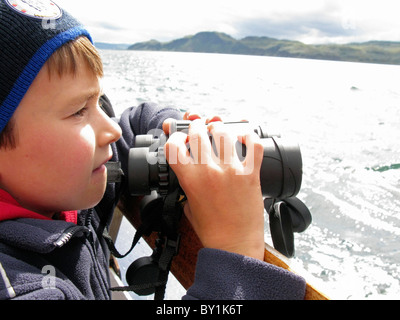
(309, 21)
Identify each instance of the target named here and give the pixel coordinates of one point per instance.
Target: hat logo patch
(40, 9)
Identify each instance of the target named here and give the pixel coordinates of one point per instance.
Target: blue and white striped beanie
(30, 31)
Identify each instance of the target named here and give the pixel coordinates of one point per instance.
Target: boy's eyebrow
(79, 99)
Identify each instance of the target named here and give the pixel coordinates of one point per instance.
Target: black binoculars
(280, 173)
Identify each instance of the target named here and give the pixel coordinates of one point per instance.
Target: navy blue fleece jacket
(55, 259)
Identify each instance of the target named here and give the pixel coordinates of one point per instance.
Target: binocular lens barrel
(281, 169)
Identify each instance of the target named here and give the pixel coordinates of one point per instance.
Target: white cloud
(310, 21)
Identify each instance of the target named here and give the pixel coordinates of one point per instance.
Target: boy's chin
(95, 197)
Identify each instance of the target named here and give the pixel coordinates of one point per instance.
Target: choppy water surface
(346, 118)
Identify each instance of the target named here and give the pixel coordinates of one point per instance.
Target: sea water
(346, 118)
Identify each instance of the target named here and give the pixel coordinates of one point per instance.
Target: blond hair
(64, 60)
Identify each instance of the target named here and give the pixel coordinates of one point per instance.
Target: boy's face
(63, 140)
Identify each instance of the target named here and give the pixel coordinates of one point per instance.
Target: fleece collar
(10, 209)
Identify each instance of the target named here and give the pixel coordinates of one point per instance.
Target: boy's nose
(109, 132)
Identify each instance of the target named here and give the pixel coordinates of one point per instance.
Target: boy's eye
(80, 113)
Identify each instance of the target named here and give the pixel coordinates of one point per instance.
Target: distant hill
(384, 52)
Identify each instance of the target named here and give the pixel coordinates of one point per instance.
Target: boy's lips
(102, 165)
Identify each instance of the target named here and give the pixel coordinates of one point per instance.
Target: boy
(54, 200)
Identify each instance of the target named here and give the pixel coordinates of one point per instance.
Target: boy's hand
(225, 205)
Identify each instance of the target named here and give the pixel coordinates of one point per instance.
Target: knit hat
(30, 31)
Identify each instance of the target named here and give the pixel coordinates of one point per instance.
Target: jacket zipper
(68, 234)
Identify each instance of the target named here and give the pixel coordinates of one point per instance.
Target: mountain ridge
(382, 52)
